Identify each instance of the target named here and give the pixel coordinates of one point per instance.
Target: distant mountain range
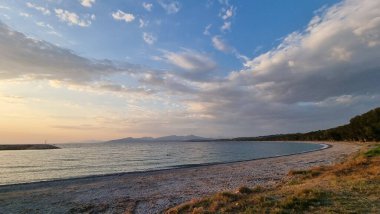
(170, 138)
(365, 127)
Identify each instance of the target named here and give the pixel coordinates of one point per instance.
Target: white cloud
(207, 30)
(120, 15)
(45, 25)
(26, 15)
(228, 13)
(149, 38)
(170, 6)
(142, 23)
(43, 10)
(219, 44)
(87, 3)
(226, 26)
(4, 7)
(72, 18)
(49, 29)
(147, 6)
(190, 60)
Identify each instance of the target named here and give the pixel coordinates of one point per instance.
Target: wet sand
(153, 192)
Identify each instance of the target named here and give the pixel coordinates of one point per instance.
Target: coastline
(153, 191)
(7, 147)
(183, 166)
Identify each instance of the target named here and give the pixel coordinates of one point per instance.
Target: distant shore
(27, 147)
(152, 192)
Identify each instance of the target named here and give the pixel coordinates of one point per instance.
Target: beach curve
(154, 191)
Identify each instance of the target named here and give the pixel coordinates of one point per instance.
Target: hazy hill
(170, 138)
(365, 127)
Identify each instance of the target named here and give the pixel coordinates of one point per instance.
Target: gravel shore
(153, 192)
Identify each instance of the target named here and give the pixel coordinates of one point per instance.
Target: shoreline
(324, 145)
(154, 191)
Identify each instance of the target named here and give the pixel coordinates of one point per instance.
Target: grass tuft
(244, 190)
(304, 200)
(373, 152)
(305, 173)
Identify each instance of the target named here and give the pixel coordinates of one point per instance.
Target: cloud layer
(316, 78)
(330, 65)
(24, 58)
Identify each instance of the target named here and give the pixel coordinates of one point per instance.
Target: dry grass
(352, 186)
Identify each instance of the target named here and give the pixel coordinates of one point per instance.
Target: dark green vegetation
(352, 186)
(373, 152)
(27, 147)
(365, 127)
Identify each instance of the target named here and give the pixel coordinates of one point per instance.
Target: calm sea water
(78, 160)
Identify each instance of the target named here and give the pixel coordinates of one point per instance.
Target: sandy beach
(153, 192)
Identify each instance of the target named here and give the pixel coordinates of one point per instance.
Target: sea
(82, 160)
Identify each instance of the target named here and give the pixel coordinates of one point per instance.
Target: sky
(81, 70)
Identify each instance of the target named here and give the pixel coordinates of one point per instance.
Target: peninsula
(27, 147)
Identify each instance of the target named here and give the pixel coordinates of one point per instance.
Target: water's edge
(183, 166)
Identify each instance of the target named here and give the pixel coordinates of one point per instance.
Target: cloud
(190, 60)
(149, 38)
(50, 29)
(34, 59)
(207, 30)
(170, 6)
(219, 44)
(5, 16)
(43, 24)
(85, 127)
(120, 15)
(26, 15)
(2, 7)
(87, 3)
(119, 88)
(147, 6)
(142, 23)
(169, 83)
(23, 58)
(317, 63)
(43, 10)
(226, 26)
(316, 78)
(72, 18)
(227, 13)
